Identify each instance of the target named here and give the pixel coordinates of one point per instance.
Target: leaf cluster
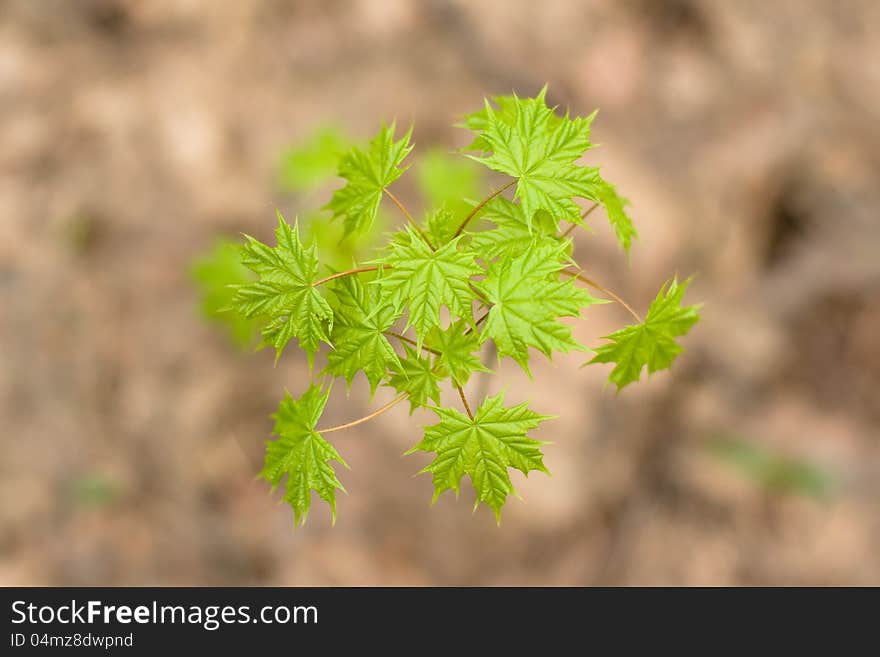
(418, 315)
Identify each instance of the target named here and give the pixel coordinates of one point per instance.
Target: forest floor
(132, 134)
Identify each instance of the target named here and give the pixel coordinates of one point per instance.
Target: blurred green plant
(93, 490)
(338, 252)
(216, 274)
(80, 231)
(773, 472)
(313, 162)
(307, 166)
(449, 181)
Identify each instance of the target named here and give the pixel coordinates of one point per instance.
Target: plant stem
(583, 216)
(350, 272)
(604, 290)
(465, 402)
(478, 294)
(478, 322)
(409, 217)
(369, 417)
(479, 207)
(403, 338)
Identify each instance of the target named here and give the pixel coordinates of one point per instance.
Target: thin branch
(479, 207)
(482, 319)
(400, 205)
(465, 402)
(478, 294)
(409, 218)
(350, 272)
(583, 216)
(403, 338)
(604, 290)
(369, 417)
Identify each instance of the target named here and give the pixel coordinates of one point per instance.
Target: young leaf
(529, 142)
(302, 454)
(368, 173)
(440, 226)
(614, 205)
(651, 343)
(478, 122)
(515, 271)
(483, 448)
(512, 234)
(416, 375)
(360, 320)
(424, 280)
(285, 293)
(528, 297)
(457, 346)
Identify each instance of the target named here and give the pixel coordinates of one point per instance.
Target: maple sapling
(502, 268)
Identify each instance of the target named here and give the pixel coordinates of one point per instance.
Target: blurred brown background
(747, 135)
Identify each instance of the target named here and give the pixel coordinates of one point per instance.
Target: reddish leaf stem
(583, 216)
(403, 338)
(604, 290)
(479, 207)
(350, 272)
(464, 401)
(478, 322)
(369, 417)
(409, 218)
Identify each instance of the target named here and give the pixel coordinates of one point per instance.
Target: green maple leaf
(459, 347)
(529, 142)
(415, 374)
(424, 280)
(368, 172)
(528, 297)
(285, 294)
(652, 343)
(614, 206)
(440, 226)
(484, 448)
(507, 108)
(302, 454)
(512, 234)
(360, 321)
